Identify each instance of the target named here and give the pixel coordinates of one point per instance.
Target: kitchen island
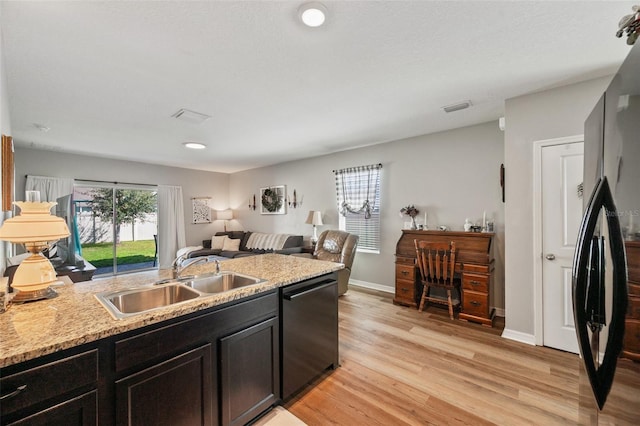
(211, 340)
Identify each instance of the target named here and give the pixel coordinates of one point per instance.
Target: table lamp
(225, 215)
(314, 218)
(35, 227)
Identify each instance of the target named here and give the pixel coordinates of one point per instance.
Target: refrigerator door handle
(601, 375)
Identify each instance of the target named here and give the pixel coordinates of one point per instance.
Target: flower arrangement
(410, 210)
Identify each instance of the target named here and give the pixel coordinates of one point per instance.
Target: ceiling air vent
(457, 107)
(191, 116)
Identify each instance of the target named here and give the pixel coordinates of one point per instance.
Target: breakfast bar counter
(75, 316)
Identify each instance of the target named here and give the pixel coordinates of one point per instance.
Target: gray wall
(550, 114)
(5, 129)
(195, 183)
(453, 175)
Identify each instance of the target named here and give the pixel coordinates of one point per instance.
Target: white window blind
(358, 196)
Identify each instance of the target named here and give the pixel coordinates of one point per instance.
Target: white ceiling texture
(105, 77)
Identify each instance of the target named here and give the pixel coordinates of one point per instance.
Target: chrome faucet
(178, 270)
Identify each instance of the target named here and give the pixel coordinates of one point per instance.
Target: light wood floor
(404, 367)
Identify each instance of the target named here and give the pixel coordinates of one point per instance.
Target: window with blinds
(358, 195)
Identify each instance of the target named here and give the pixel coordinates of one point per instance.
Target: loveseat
(234, 244)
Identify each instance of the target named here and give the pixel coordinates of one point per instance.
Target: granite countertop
(76, 317)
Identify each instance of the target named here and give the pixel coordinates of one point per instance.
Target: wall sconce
(35, 227)
(295, 203)
(253, 206)
(314, 218)
(225, 215)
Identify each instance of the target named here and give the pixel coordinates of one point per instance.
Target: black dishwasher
(309, 331)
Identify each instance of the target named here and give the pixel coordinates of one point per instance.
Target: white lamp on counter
(314, 218)
(35, 227)
(225, 215)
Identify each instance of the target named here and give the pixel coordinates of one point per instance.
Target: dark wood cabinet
(178, 391)
(631, 344)
(249, 372)
(51, 388)
(78, 411)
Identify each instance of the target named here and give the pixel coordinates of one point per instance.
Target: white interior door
(561, 215)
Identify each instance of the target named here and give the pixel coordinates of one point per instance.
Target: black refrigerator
(606, 269)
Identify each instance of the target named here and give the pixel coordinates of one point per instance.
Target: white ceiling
(106, 77)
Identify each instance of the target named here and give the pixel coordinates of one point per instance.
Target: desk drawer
(405, 260)
(471, 267)
(47, 381)
(406, 290)
(405, 272)
(632, 336)
(475, 282)
(476, 304)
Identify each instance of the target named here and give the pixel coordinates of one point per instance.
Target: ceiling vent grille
(191, 116)
(457, 107)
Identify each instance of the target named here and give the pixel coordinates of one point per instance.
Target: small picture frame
(272, 200)
(201, 210)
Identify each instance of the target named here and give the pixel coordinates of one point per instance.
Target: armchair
(338, 246)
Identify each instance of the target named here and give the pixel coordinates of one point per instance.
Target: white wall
(453, 175)
(545, 115)
(195, 183)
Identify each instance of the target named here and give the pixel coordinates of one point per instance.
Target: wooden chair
(436, 262)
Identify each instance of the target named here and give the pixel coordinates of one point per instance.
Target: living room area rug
(279, 416)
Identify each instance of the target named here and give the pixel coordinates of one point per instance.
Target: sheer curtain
(51, 188)
(356, 189)
(171, 232)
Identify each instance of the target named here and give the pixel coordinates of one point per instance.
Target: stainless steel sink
(126, 303)
(221, 281)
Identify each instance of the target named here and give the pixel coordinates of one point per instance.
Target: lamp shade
(314, 218)
(225, 214)
(34, 224)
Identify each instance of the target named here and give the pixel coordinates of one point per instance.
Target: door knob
(551, 256)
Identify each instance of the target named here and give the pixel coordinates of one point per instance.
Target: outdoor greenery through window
(117, 226)
(358, 196)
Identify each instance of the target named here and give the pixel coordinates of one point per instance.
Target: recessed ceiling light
(194, 145)
(457, 107)
(313, 14)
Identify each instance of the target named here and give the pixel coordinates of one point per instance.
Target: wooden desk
(474, 262)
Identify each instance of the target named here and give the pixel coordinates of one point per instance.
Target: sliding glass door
(117, 226)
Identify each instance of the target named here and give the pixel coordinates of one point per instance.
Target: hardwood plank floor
(404, 367)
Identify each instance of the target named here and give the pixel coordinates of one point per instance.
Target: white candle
(425, 220)
(631, 212)
(484, 219)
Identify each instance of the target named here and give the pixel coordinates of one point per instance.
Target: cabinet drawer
(405, 260)
(405, 290)
(634, 289)
(633, 309)
(632, 336)
(475, 282)
(49, 380)
(476, 304)
(471, 267)
(405, 272)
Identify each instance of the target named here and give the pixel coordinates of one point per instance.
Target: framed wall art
(201, 210)
(272, 200)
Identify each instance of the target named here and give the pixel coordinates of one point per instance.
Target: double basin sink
(126, 303)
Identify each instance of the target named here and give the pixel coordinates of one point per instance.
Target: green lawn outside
(101, 254)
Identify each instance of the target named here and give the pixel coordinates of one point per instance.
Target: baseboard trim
(499, 312)
(519, 336)
(372, 286)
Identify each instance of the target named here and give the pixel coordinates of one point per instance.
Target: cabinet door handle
(475, 303)
(475, 282)
(404, 272)
(404, 289)
(18, 390)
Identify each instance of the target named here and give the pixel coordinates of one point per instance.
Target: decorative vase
(413, 223)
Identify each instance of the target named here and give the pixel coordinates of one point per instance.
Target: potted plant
(412, 212)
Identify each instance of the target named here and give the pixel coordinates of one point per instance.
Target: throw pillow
(231, 244)
(218, 242)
